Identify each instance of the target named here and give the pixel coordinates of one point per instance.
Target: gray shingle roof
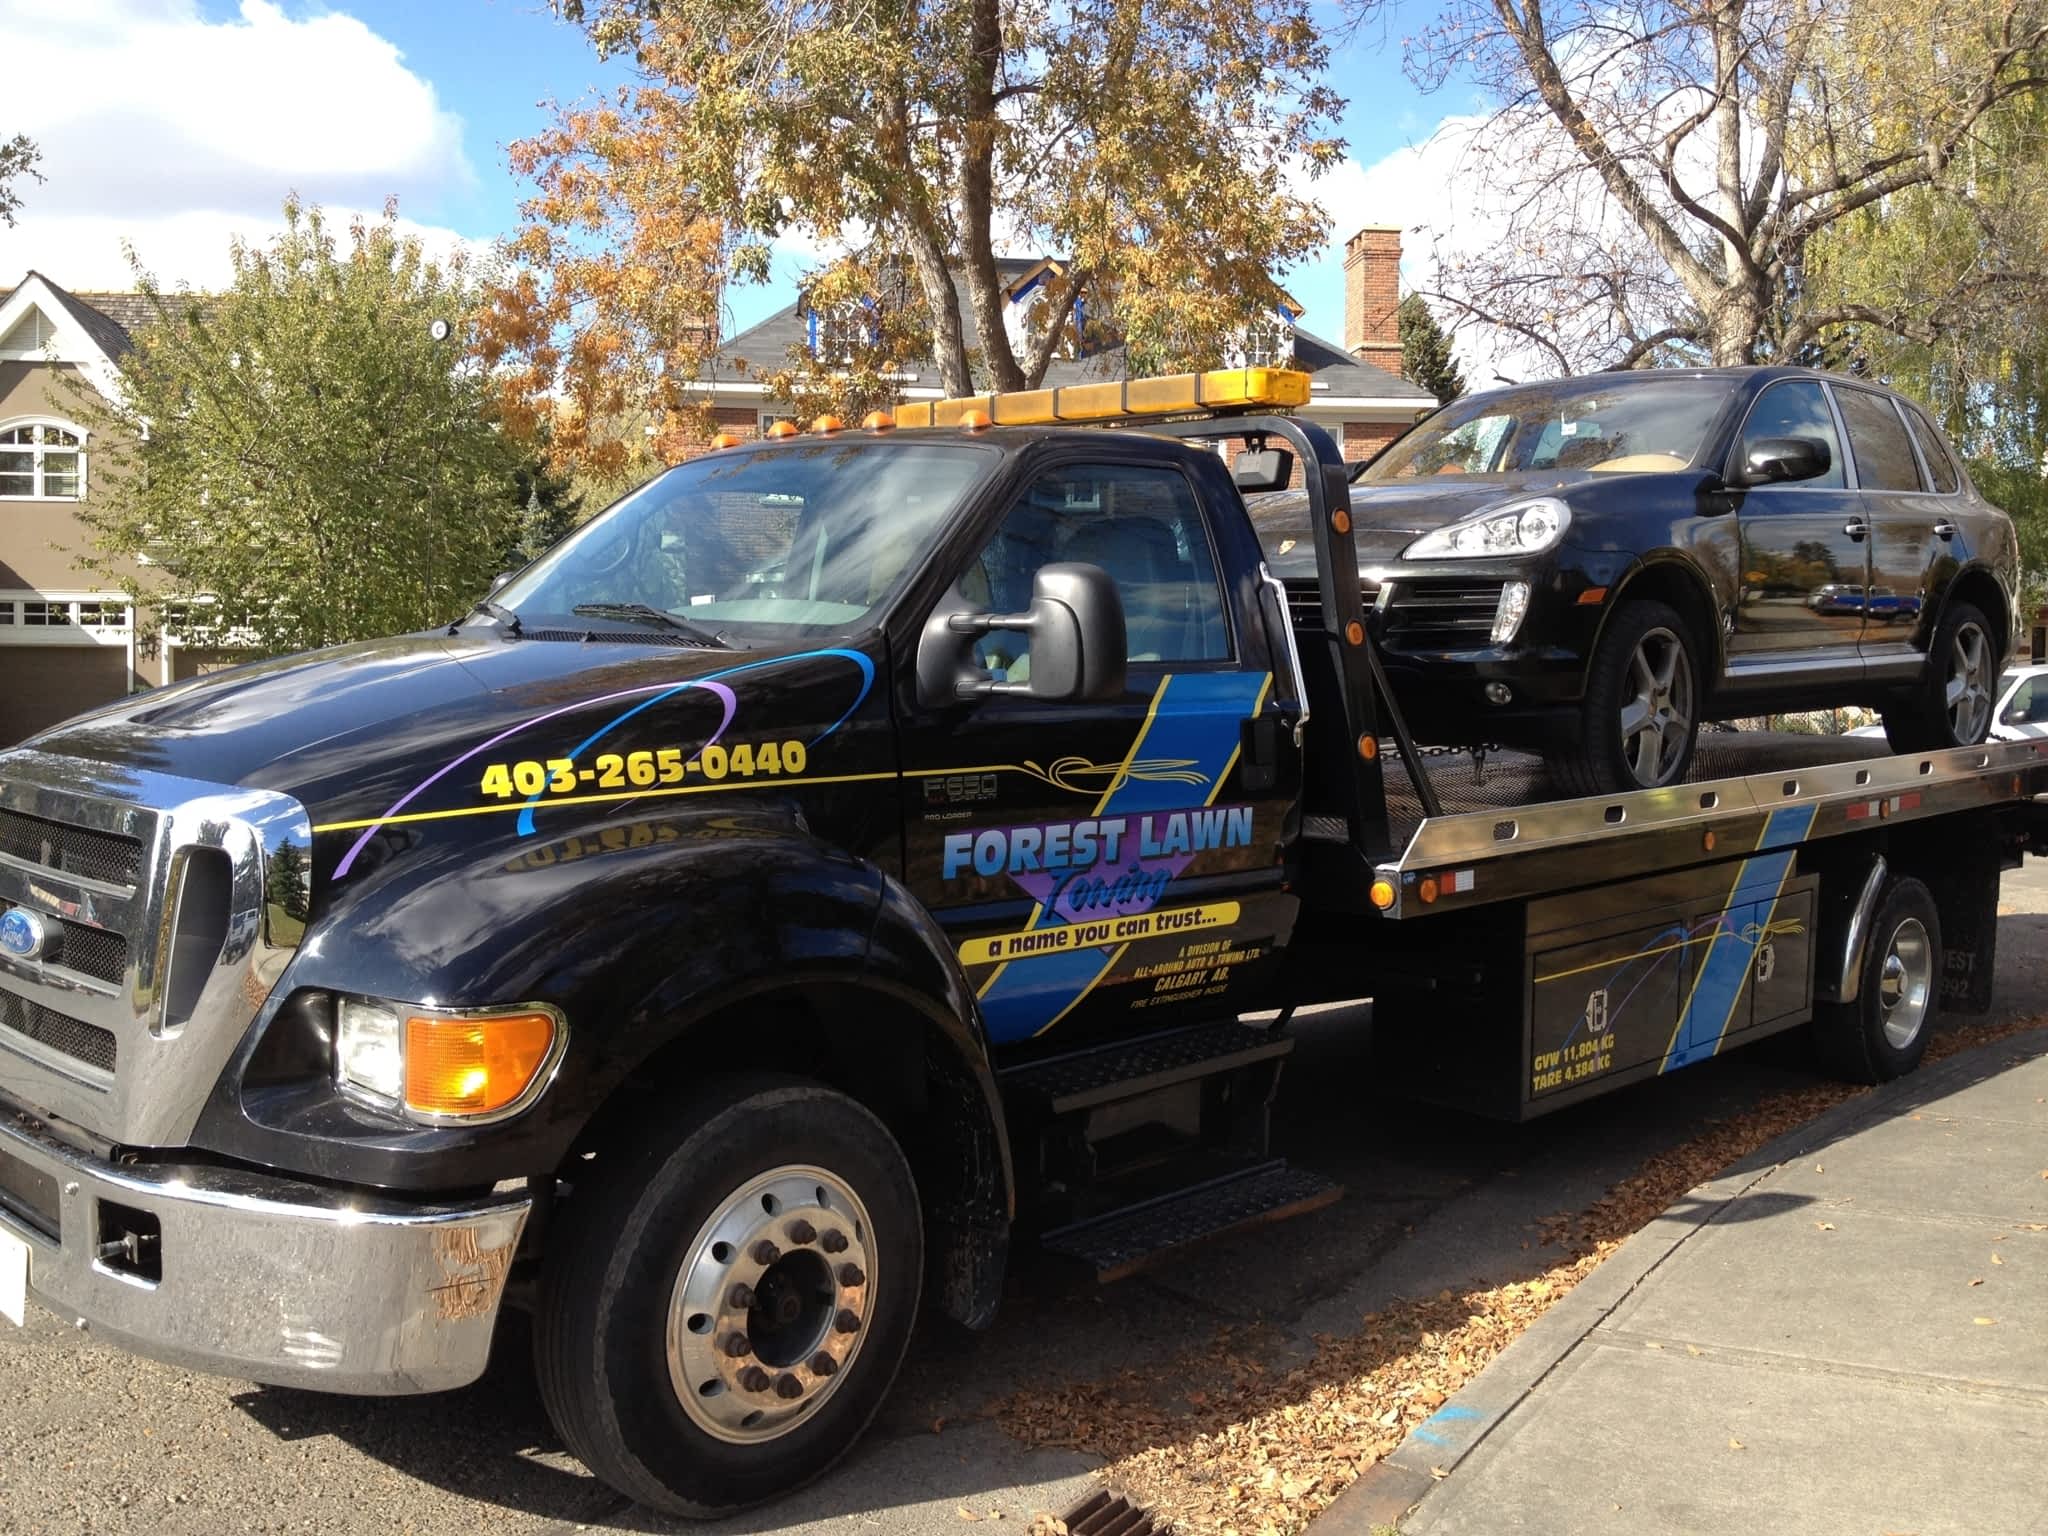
(765, 347)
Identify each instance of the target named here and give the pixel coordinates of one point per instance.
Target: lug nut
(833, 1241)
(847, 1321)
(823, 1364)
(737, 1345)
(765, 1252)
(850, 1275)
(740, 1297)
(753, 1379)
(787, 1386)
(801, 1232)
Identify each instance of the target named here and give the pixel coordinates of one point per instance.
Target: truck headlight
(438, 1064)
(1520, 528)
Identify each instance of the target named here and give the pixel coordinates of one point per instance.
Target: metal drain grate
(1105, 1513)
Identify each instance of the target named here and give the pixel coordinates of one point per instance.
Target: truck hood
(360, 732)
(1387, 518)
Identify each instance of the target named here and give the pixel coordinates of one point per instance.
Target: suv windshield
(1611, 424)
(782, 542)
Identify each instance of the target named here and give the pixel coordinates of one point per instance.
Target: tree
(1426, 351)
(18, 157)
(1152, 144)
(1664, 167)
(298, 459)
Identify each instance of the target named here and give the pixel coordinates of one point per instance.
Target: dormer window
(42, 461)
(1269, 342)
(840, 333)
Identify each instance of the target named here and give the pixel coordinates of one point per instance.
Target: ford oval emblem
(22, 934)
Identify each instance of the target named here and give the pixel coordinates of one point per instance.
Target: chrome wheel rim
(771, 1304)
(1905, 980)
(1967, 691)
(1656, 708)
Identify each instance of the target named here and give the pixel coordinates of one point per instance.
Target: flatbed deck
(1502, 833)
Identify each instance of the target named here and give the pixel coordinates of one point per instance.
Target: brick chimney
(1372, 293)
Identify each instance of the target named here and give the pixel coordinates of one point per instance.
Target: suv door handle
(1856, 528)
(1944, 530)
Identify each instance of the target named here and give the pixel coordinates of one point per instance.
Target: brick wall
(1372, 294)
(740, 420)
(1363, 439)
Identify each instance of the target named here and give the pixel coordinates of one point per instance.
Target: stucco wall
(36, 535)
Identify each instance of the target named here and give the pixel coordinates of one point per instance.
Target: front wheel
(1640, 718)
(1951, 704)
(1884, 1032)
(727, 1298)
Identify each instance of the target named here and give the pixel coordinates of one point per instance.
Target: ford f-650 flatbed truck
(850, 856)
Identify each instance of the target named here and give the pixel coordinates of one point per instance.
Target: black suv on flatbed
(1594, 566)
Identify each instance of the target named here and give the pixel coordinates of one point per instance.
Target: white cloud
(171, 131)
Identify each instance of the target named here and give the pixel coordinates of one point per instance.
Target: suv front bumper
(261, 1277)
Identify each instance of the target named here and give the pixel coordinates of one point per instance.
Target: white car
(2022, 709)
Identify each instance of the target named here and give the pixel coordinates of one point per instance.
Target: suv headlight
(441, 1064)
(1520, 528)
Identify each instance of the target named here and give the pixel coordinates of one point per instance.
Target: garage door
(48, 683)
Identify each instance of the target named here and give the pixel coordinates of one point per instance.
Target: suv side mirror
(1774, 460)
(1077, 648)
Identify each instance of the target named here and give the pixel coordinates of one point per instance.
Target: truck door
(1107, 866)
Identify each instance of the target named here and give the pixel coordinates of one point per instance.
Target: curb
(1392, 1488)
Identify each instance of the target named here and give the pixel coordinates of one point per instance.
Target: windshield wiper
(648, 613)
(497, 610)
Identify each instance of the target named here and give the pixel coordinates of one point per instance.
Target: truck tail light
(475, 1064)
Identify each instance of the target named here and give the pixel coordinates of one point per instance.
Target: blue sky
(366, 98)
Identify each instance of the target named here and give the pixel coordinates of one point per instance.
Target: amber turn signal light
(1383, 894)
(478, 1064)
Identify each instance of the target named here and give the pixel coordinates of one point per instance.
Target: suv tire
(727, 1295)
(1951, 704)
(1639, 720)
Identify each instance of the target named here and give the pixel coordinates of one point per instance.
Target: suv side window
(1796, 408)
(1140, 523)
(1940, 467)
(1884, 456)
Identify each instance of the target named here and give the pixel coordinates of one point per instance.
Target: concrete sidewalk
(1846, 1333)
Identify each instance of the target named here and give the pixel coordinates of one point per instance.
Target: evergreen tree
(1426, 351)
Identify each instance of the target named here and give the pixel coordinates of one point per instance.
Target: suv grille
(90, 855)
(1442, 615)
(73, 1037)
(1305, 601)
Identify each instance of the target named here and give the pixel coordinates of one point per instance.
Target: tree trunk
(1734, 323)
(977, 198)
(942, 299)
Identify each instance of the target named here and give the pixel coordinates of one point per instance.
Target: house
(1356, 388)
(70, 634)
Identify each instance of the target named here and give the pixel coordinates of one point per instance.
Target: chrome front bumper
(265, 1278)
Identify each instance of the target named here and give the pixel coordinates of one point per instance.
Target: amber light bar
(1179, 394)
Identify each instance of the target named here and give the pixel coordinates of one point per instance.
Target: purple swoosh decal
(725, 694)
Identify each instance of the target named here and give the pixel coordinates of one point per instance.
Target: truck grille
(93, 952)
(82, 1042)
(104, 856)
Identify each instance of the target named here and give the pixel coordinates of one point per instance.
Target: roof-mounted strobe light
(879, 421)
(725, 440)
(783, 428)
(1221, 391)
(828, 423)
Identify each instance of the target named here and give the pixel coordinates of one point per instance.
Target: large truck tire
(727, 1296)
(1884, 1032)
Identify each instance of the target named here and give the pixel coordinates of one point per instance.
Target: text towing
(847, 857)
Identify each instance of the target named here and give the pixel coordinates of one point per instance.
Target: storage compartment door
(1604, 1005)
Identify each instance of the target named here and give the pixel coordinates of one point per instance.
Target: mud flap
(1967, 898)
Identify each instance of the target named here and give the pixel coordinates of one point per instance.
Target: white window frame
(15, 629)
(36, 450)
(1277, 332)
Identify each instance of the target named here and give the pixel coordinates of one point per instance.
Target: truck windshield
(1609, 424)
(795, 541)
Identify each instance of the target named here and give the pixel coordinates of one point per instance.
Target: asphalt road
(93, 1441)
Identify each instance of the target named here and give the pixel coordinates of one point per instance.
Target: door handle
(1856, 528)
(1944, 530)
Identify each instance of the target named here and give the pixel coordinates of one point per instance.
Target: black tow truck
(851, 856)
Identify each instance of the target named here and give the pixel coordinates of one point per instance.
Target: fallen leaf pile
(1263, 1450)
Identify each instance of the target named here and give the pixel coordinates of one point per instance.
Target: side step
(1085, 1079)
(1125, 1241)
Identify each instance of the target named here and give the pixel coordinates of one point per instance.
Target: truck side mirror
(1076, 646)
(1773, 460)
(498, 581)
(1262, 469)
